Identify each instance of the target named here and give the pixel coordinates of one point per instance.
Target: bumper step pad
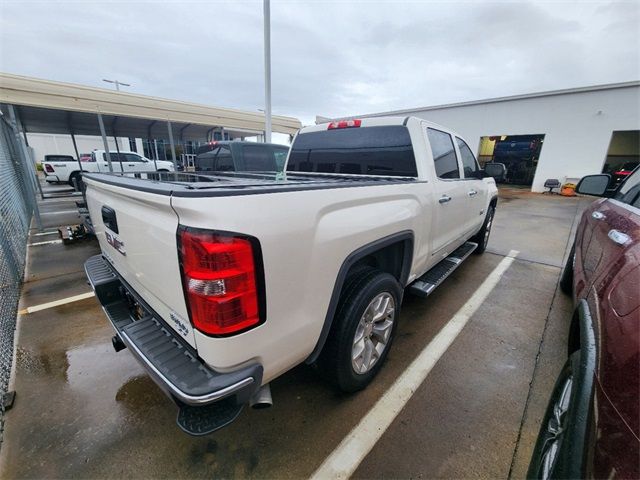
(209, 418)
(427, 283)
(208, 400)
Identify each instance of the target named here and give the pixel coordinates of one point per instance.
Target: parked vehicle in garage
(240, 157)
(592, 425)
(68, 170)
(219, 284)
(620, 174)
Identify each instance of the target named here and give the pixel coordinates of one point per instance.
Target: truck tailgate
(137, 234)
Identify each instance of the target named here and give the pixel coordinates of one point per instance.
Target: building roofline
(548, 93)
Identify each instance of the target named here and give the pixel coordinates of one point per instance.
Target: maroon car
(591, 428)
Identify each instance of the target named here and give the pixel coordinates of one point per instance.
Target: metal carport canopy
(46, 106)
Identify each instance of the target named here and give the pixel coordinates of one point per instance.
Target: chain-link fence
(16, 207)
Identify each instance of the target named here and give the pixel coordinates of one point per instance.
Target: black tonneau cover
(182, 184)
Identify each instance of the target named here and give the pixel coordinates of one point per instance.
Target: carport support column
(104, 142)
(267, 71)
(75, 147)
(173, 147)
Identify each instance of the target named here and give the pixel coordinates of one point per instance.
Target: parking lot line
(59, 213)
(56, 303)
(52, 232)
(344, 460)
(48, 242)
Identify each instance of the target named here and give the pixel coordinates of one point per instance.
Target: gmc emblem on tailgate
(116, 243)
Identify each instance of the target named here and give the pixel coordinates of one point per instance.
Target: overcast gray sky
(330, 58)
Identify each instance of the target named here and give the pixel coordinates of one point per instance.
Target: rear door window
(384, 150)
(630, 190)
(131, 157)
(469, 163)
(444, 155)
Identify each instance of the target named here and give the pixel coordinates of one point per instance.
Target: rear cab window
(258, 158)
(281, 157)
(379, 150)
(59, 158)
(224, 159)
(444, 154)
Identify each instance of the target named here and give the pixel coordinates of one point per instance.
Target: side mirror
(595, 185)
(496, 170)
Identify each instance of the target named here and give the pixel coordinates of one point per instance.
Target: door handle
(598, 215)
(472, 193)
(618, 237)
(132, 164)
(444, 199)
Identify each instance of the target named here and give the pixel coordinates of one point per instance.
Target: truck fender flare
(405, 236)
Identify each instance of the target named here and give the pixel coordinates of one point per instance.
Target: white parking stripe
(50, 242)
(53, 232)
(56, 303)
(59, 213)
(344, 460)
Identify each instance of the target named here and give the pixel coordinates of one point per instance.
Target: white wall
(577, 126)
(46, 144)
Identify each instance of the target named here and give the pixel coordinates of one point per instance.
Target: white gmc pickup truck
(68, 171)
(220, 283)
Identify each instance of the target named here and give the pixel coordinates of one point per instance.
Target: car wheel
(362, 330)
(546, 460)
(566, 280)
(482, 237)
(75, 180)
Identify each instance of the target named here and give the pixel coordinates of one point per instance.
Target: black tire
(566, 280)
(360, 290)
(76, 177)
(557, 420)
(482, 237)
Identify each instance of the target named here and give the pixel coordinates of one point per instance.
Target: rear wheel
(482, 237)
(362, 330)
(552, 441)
(75, 180)
(566, 280)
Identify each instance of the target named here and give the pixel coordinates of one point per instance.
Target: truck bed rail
(184, 184)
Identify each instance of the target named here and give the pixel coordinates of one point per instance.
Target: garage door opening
(519, 153)
(623, 155)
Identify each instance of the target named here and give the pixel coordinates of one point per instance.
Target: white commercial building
(571, 132)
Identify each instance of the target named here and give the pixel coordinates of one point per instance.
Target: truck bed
(183, 184)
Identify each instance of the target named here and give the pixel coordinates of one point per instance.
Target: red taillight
(219, 280)
(344, 124)
(622, 173)
(48, 168)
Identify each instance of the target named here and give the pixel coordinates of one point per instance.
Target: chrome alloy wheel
(555, 430)
(373, 332)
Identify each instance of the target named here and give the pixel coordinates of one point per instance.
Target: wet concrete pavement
(84, 411)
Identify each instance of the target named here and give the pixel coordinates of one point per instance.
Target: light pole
(117, 83)
(267, 72)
